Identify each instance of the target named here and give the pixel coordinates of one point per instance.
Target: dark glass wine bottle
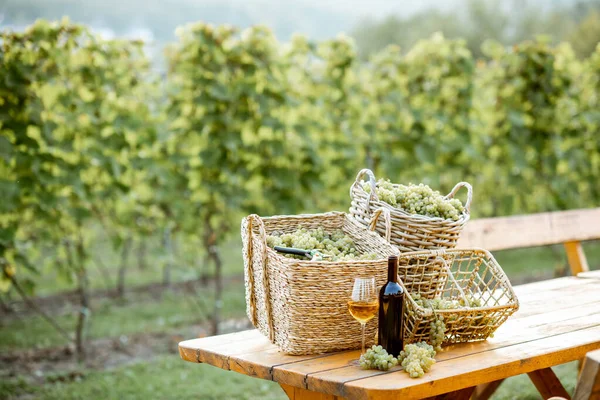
(391, 316)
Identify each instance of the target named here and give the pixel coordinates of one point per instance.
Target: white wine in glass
(363, 303)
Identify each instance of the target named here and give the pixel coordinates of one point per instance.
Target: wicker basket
(409, 232)
(302, 305)
(463, 273)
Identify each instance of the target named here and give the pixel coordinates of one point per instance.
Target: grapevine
(417, 199)
(336, 244)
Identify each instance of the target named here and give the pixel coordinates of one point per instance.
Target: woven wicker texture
(473, 274)
(409, 232)
(302, 305)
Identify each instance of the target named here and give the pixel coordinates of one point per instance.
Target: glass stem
(363, 339)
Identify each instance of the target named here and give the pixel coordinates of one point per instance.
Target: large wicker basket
(467, 275)
(409, 232)
(302, 305)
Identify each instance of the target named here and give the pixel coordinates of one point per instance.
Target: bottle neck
(393, 270)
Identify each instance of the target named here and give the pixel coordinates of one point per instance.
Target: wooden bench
(569, 228)
(558, 321)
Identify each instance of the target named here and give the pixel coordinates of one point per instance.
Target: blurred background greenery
(131, 145)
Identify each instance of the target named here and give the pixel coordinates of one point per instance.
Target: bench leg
(547, 383)
(588, 384)
(486, 390)
(295, 393)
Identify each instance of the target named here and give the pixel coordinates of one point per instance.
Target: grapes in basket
(417, 199)
(332, 246)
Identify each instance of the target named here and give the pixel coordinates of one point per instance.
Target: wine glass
(363, 303)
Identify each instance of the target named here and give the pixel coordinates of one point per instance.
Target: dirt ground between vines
(60, 363)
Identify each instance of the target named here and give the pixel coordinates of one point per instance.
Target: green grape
(336, 244)
(438, 324)
(377, 358)
(417, 359)
(417, 199)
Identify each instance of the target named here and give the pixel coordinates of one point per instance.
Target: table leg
(486, 390)
(295, 393)
(547, 383)
(462, 394)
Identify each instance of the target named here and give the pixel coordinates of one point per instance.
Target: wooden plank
(532, 230)
(213, 343)
(260, 364)
(547, 383)
(486, 390)
(478, 368)
(588, 384)
(188, 354)
(332, 380)
(576, 257)
(547, 285)
(295, 393)
(327, 372)
(289, 390)
(217, 351)
(463, 394)
(589, 275)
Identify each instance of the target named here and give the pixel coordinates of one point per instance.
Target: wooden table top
(558, 321)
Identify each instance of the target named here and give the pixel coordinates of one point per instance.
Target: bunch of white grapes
(377, 358)
(438, 325)
(417, 358)
(417, 199)
(336, 244)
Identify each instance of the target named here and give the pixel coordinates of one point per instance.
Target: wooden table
(558, 322)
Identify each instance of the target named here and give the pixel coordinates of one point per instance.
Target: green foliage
(426, 101)
(533, 134)
(243, 123)
(230, 142)
(74, 121)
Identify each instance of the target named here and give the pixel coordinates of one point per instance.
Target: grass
(540, 262)
(167, 377)
(520, 387)
(110, 319)
(186, 264)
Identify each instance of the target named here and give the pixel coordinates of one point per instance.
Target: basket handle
(372, 182)
(440, 253)
(251, 220)
(388, 222)
(459, 186)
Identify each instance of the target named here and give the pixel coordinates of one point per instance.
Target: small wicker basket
(302, 305)
(409, 232)
(467, 275)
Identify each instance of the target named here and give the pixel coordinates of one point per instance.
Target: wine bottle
(391, 316)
